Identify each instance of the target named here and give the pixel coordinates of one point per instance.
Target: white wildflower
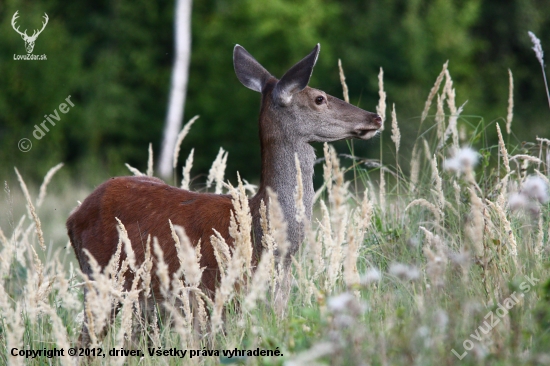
(340, 302)
(465, 159)
(372, 275)
(536, 188)
(518, 201)
(441, 319)
(404, 272)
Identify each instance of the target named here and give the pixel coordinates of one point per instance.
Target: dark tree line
(114, 59)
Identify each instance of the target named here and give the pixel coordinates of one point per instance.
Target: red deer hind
(292, 115)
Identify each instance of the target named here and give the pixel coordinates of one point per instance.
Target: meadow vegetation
(442, 258)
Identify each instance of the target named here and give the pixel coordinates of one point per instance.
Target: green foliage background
(114, 58)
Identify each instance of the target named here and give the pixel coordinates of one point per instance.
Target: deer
(29, 40)
(292, 116)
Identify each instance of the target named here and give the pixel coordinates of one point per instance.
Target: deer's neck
(279, 173)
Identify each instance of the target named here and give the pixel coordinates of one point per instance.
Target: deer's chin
(365, 134)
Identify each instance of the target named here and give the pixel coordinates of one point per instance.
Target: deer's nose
(377, 120)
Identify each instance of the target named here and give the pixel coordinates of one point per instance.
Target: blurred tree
(502, 31)
(115, 58)
(178, 87)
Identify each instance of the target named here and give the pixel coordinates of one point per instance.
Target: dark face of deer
(295, 111)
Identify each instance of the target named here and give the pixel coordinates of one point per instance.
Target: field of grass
(439, 259)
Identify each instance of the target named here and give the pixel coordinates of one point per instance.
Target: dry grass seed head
(355, 238)
(201, 314)
(150, 161)
(430, 206)
(221, 250)
(31, 211)
(264, 223)
(133, 170)
(327, 167)
(7, 254)
(475, 230)
(123, 235)
(147, 266)
(226, 290)
(241, 223)
(181, 325)
(436, 257)
(440, 120)
(507, 232)
(415, 169)
(537, 48)
(526, 159)
(381, 107)
(333, 251)
(438, 186)
(162, 269)
(186, 171)
(184, 131)
(299, 193)
(427, 150)
(343, 82)
(262, 276)
(395, 133)
(450, 92)
(452, 128)
(367, 210)
(217, 171)
(44, 185)
(59, 333)
(510, 114)
(503, 150)
(277, 225)
(101, 295)
(14, 331)
(64, 293)
(188, 258)
(113, 267)
(3, 239)
(382, 191)
(155, 332)
(433, 92)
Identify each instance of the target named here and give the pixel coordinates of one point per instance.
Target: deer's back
(144, 205)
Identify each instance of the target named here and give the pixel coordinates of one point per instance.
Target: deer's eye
(319, 100)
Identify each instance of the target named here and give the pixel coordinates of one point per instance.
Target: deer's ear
(249, 71)
(297, 78)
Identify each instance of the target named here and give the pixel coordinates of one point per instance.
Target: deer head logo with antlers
(29, 40)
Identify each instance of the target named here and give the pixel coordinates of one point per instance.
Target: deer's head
(293, 110)
(29, 40)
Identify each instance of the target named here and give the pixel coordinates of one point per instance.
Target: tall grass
(409, 272)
